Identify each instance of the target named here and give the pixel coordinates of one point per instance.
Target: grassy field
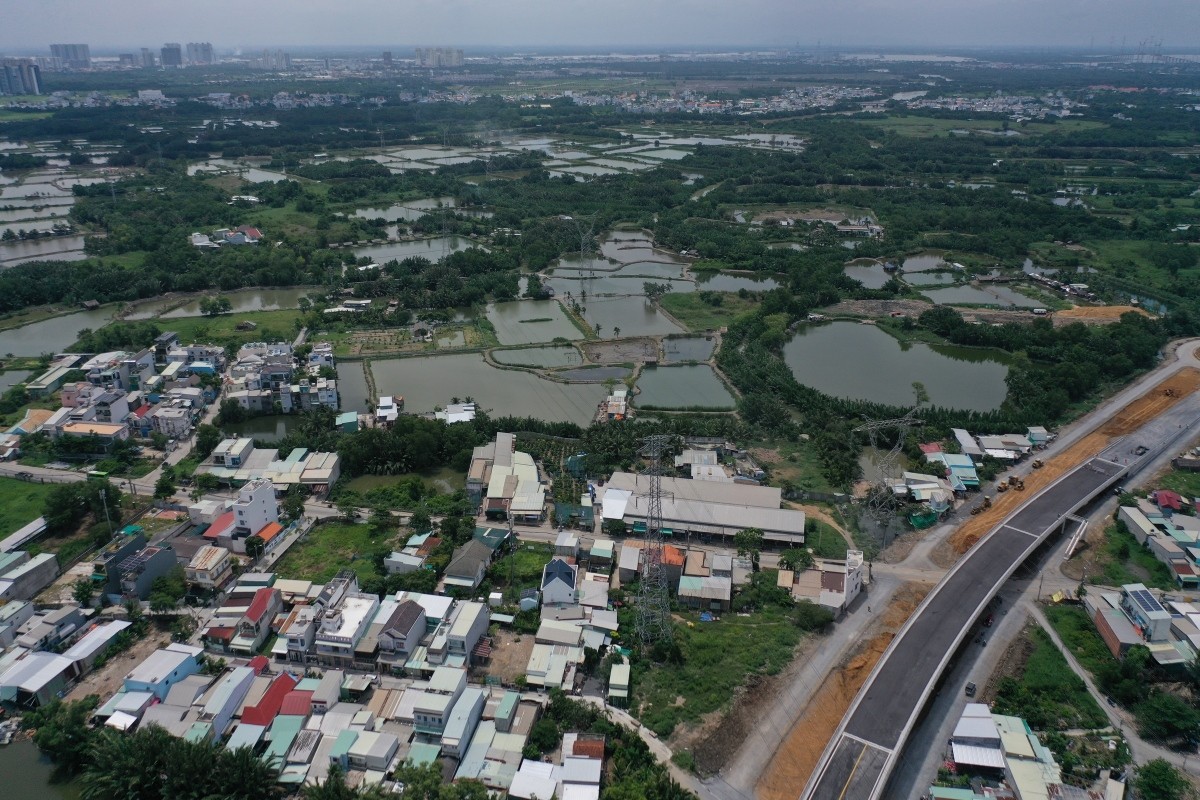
(272, 325)
(793, 462)
(924, 127)
(334, 546)
(696, 315)
(444, 479)
(1186, 483)
(7, 115)
(1079, 634)
(20, 503)
(1048, 694)
(826, 542)
(718, 657)
(1122, 560)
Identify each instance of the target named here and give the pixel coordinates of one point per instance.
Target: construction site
(801, 750)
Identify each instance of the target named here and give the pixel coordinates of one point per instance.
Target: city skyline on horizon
(1104, 25)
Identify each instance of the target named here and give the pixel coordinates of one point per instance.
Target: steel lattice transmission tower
(653, 609)
(882, 501)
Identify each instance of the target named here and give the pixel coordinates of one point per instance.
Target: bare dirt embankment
(1095, 315)
(797, 756)
(1138, 412)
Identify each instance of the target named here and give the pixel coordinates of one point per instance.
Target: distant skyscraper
(20, 76)
(439, 57)
(277, 60)
(199, 53)
(72, 56)
(126, 59)
(171, 55)
(147, 58)
(387, 58)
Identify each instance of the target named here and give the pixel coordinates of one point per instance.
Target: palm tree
(616, 331)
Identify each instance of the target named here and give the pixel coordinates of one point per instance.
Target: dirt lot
(1164, 395)
(510, 655)
(621, 352)
(1095, 315)
(914, 308)
(107, 680)
(795, 759)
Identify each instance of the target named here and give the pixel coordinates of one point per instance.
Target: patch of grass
(279, 324)
(797, 464)
(697, 315)
(20, 503)
(1079, 634)
(1048, 694)
(525, 564)
(825, 542)
(446, 480)
(1122, 560)
(1186, 483)
(718, 657)
(332, 547)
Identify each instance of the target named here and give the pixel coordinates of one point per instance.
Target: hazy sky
(27, 27)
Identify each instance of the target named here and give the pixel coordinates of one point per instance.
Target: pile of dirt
(1137, 413)
(1095, 315)
(715, 741)
(798, 755)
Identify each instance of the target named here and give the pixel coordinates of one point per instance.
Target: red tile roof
(262, 601)
(296, 704)
(268, 707)
(143, 411)
(673, 555)
(270, 531)
(259, 663)
(219, 633)
(589, 748)
(930, 447)
(1168, 499)
(219, 526)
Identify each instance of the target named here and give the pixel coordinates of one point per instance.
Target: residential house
(163, 668)
(225, 699)
(342, 626)
(255, 626)
(140, 570)
(558, 582)
(46, 629)
(468, 566)
(401, 634)
(464, 717)
(210, 568)
(708, 593)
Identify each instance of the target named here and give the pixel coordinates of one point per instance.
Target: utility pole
(107, 518)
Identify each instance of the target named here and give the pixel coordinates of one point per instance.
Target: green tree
(207, 439)
(63, 732)
(1166, 718)
(795, 558)
(231, 412)
(292, 505)
(165, 486)
(83, 590)
(382, 519)
(1160, 780)
(749, 542)
(419, 522)
(255, 546)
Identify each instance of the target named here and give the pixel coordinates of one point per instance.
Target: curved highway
(859, 759)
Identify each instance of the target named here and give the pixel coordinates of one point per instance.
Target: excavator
(984, 506)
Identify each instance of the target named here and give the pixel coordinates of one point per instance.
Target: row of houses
(1160, 524)
(1009, 447)
(1135, 616)
(236, 462)
(264, 378)
(305, 724)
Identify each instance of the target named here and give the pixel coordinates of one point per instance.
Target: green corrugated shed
(422, 753)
